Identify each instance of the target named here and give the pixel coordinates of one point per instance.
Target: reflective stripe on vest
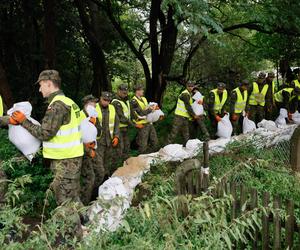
(297, 84)
(111, 119)
(67, 142)
(279, 97)
(256, 97)
(180, 107)
(241, 101)
(143, 103)
(1, 106)
(218, 104)
(126, 111)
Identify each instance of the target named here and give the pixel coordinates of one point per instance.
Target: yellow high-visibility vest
(111, 119)
(297, 84)
(67, 142)
(82, 116)
(218, 104)
(256, 97)
(241, 101)
(180, 107)
(279, 97)
(126, 111)
(143, 103)
(1, 106)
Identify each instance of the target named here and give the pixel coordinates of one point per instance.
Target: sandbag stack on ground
(19, 136)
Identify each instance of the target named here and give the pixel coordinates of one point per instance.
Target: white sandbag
(283, 113)
(154, 116)
(280, 121)
(173, 152)
(88, 131)
(197, 108)
(197, 96)
(268, 125)
(193, 147)
(19, 136)
(111, 188)
(296, 117)
(91, 110)
(248, 125)
(224, 127)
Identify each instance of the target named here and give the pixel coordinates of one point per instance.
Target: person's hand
(115, 141)
(161, 117)
(91, 145)
(196, 117)
(92, 120)
(218, 118)
(92, 153)
(200, 102)
(18, 116)
(139, 126)
(290, 116)
(156, 107)
(234, 117)
(12, 121)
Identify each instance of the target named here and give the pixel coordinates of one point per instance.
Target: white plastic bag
(19, 136)
(296, 117)
(197, 96)
(268, 125)
(197, 108)
(173, 152)
(248, 125)
(224, 127)
(88, 129)
(154, 116)
(281, 118)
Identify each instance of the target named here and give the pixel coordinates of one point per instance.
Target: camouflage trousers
(66, 182)
(123, 148)
(92, 175)
(181, 126)
(200, 124)
(147, 139)
(108, 158)
(256, 113)
(237, 125)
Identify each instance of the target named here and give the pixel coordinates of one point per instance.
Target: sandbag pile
(19, 136)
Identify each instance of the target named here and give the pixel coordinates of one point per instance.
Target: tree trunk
(49, 34)
(4, 88)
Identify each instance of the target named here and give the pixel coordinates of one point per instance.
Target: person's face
(190, 88)
(90, 104)
(104, 102)
(220, 90)
(123, 93)
(270, 78)
(45, 87)
(260, 80)
(139, 92)
(244, 87)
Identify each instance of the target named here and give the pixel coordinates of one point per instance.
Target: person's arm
(119, 110)
(117, 127)
(249, 94)
(52, 121)
(286, 99)
(186, 100)
(233, 98)
(136, 109)
(211, 103)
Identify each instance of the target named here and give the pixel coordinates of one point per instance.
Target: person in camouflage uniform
(66, 171)
(92, 170)
(217, 104)
(122, 107)
(146, 135)
(109, 138)
(238, 104)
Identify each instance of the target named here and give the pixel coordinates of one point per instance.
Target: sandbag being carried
(197, 108)
(248, 125)
(155, 115)
(281, 118)
(224, 127)
(88, 129)
(19, 136)
(296, 117)
(197, 96)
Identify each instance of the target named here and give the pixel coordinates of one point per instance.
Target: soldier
(273, 88)
(217, 104)
(296, 83)
(259, 97)
(287, 98)
(146, 131)
(110, 135)
(122, 106)
(92, 170)
(62, 143)
(238, 101)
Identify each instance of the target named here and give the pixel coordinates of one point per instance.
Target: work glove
(18, 116)
(218, 118)
(161, 117)
(115, 141)
(234, 117)
(139, 126)
(92, 120)
(12, 121)
(200, 102)
(92, 153)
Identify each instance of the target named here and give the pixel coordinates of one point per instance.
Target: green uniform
(123, 111)
(92, 170)
(110, 128)
(66, 171)
(138, 107)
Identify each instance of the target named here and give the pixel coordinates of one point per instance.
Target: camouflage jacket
(120, 113)
(136, 109)
(185, 97)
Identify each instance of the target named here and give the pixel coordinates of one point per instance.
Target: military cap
(89, 98)
(262, 75)
(122, 87)
(221, 85)
(106, 95)
(49, 75)
(244, 83)
(138, 87)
